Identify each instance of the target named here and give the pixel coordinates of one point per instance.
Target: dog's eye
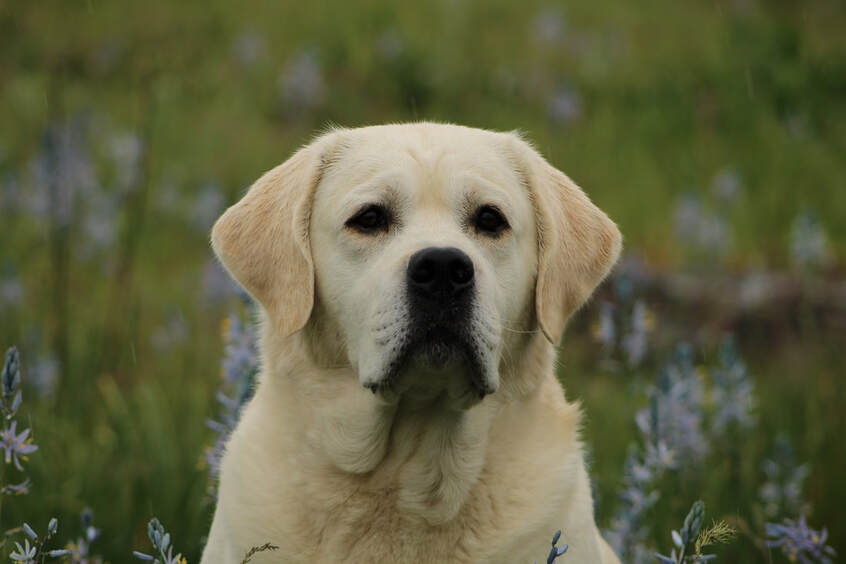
(371, 219)
(490, 221)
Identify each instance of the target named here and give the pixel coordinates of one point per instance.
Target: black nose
(440, 272)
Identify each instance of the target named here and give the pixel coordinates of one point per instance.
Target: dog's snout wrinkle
(440, 273)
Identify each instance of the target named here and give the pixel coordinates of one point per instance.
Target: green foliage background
(668, 94)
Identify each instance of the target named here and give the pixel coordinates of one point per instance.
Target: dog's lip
(413, 349)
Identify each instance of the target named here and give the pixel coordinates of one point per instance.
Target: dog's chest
(370, 527)
(449, 495)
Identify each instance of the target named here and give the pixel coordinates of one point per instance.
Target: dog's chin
(429, 369)
(435, 354)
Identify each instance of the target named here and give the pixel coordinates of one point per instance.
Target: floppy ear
(577, 243)
(263, 239)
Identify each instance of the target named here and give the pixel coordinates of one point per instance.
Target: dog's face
(425, 246)
(424, 250)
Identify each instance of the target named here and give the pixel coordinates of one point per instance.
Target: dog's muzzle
(441, 283)
(440, 292)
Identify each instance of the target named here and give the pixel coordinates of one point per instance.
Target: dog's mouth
(435, 348)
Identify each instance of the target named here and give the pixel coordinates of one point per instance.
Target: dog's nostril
(461, 272)
(440, 272)
(423, 272)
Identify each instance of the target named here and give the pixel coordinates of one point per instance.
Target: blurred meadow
(713, 132)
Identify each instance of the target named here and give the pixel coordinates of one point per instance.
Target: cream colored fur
(423, 471)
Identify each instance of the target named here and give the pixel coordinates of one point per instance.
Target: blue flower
(25, 553)
(799, 542)
(36, 552)
(240, 366)
(733, 392)
(79, 551)
(556, 551)
(671, 432)
(241, 351)
(160, 539)
(11, 377)
(808, 241)
(781, 493)
(17, 446)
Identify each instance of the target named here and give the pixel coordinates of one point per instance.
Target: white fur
(423, 471)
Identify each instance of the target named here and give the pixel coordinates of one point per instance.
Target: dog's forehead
(418, 152)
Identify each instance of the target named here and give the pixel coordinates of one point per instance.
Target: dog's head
(420, 250)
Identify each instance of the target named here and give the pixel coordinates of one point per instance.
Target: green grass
(671, 94)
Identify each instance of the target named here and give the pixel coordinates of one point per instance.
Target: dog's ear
(263, 239)
(577, 243)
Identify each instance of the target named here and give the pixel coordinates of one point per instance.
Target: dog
(413, 280)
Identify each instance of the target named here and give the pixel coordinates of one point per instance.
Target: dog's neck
(344, 426)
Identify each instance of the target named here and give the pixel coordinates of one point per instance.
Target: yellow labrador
(413, 281)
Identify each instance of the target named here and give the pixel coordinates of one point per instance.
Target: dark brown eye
(490, 221)
(372, 219)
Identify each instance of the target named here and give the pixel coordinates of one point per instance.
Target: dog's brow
(382, 190)
(480, 190)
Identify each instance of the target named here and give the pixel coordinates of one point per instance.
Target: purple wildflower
(127, 152)
(733, 392)
(622, 313)
(37, 551)
(808, 242)
(223, 428)
(636, 342)
(605, 330)
(248, 48)
(548, 26)
(100, 224)
(556, 550)
(79, 551)
(16, 489)
(675, 413)
(217, 284)
(727, 185)
(206, 207)
(672, 435)
(700, 229)
(628, 531)
(43, 375)
(240, 366)
(160, 539)
(781, 493)
(688, 216)
(565, 106)
(714, 234)
(302, 84)
(62, 172)
(25, 553)
(799, 542)
(241, 352)
(11, 379)
(174, 332)
(16, 446)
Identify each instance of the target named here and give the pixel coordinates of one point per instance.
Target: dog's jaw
(394, 361)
